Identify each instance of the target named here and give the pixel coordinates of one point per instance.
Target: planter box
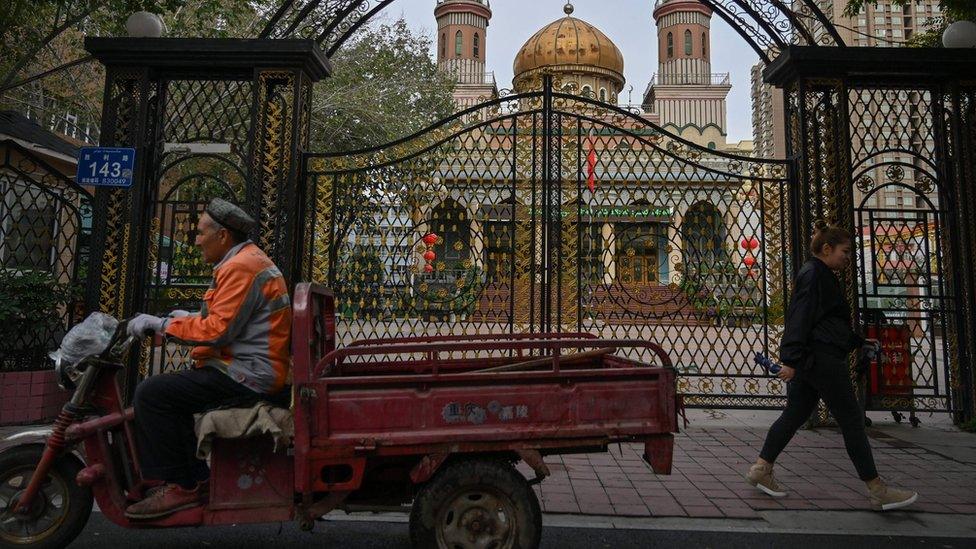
(30, 397)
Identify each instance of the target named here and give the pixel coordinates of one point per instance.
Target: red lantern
(753, 243)
(749, 261)
(428, 268)
(430, 239)
(429, 255)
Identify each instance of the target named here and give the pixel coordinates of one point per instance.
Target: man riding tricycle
(435, 422)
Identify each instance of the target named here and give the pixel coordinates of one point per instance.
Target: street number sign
(106, 166)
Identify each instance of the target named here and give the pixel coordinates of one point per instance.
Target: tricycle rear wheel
(60, 510)
(476, 503)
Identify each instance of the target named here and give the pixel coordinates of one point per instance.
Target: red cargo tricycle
(437, 421)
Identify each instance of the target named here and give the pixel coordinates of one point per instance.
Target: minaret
(462, 36)
(685, 94)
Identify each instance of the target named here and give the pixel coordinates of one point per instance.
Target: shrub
(34, 311)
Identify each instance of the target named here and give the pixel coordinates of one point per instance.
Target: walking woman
(816, 342)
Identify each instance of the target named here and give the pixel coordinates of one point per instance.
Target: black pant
(164, 406)
(829, 379)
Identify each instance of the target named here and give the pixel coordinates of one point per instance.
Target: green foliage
(359, 283)
(969, 426)
(931, 37)
(385, 87)
(33, 306)
(459, 298)
(32, 31)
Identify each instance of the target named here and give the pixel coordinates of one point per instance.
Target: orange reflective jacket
(244, 326)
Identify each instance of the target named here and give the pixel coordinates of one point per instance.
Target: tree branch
(50, 37)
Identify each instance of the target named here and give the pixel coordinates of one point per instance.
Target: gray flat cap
(230, 216)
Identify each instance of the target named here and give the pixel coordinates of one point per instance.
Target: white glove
(179, 313)
(141, 324)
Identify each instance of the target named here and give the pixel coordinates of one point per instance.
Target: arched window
(704, 46)
(670, 45)
(688, 42)
(587, 91)
(603, 95)
(711, 145)
(458, 42)
(477, 45)
(443, 45)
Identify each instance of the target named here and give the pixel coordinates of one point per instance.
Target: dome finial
(568, 8)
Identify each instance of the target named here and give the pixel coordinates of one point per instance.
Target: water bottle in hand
(767, 363)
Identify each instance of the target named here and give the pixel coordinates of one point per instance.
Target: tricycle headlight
(66, 374)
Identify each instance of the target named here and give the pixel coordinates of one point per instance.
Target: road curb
(842, 523)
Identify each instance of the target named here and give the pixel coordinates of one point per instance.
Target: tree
(952, 11)
(385, 86)
(37, 36)
(359, 283)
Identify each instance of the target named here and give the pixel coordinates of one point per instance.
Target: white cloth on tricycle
(261, 419)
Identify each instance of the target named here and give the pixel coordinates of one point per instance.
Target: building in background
(878, 25)
(768, 129)
(462, 36)
(687, 97)
(652, 219)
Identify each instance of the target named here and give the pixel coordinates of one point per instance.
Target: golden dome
(570, 44)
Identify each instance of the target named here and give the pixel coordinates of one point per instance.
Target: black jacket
(818, 317)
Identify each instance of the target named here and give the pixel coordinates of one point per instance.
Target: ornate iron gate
(45, 236)
(901, 209)
(890, 157)
(668, 241)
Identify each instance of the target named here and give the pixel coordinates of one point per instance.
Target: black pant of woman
(829, 379)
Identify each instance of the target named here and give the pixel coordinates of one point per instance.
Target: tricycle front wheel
(60, 510)
(476, 503)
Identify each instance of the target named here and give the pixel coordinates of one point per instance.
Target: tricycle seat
(263, 418)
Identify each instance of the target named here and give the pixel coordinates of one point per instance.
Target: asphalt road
(387, 535)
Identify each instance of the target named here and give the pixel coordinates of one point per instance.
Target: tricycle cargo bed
(540, 390)
(385, 410)
(414, 402)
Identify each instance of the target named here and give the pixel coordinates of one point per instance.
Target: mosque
(634, 234)
(685, 97)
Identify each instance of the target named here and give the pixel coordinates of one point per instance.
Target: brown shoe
(886, 498)
(761, 476)
(165, 500)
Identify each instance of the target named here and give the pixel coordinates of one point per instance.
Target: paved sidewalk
(712, 455)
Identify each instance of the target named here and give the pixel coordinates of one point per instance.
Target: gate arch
(517, 166)
(767, 25)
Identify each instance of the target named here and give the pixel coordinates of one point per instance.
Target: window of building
(670, 45)
(587, 91)
(603, 95)
(443, 44)
(477, 45)
(687, 42)
(704, 46)
(711, 145)
(458, 42)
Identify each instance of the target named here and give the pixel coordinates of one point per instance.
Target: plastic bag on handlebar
(91, 337)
